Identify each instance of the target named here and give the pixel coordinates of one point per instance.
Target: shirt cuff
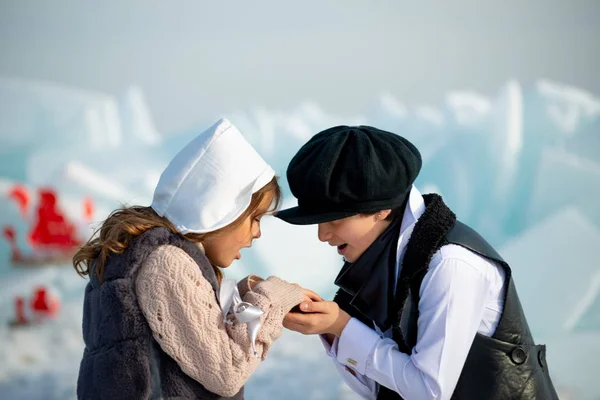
(356, 344)
(332, 348)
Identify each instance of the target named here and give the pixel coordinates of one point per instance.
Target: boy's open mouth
(341, 248)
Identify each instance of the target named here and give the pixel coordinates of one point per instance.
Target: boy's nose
(324, 233)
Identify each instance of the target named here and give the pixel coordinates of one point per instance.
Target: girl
(156, 320)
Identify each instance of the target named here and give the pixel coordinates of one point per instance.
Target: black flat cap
(348, 170)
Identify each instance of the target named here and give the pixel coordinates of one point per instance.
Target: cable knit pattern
(184, 315)
(245, 284)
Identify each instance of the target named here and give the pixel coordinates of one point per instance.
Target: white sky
(198, 59)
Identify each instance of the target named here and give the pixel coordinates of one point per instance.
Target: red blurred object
(43, 304)
(21, 195)
(52, 229)
(53, 237)
(88, 209)
(20, 311)
(9, 234)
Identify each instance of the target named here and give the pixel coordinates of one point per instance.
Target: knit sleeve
(186, 320)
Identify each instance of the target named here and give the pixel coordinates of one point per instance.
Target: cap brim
(296, 216)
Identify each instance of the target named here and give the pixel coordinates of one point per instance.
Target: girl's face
(222, 250)
(353, 235)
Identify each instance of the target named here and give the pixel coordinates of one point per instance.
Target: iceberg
(44, 125)
(564, 179)
(555, 273)
(521, 167)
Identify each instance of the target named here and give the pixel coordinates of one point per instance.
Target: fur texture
(121, 360)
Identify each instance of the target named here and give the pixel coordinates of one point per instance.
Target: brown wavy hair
(126, 223)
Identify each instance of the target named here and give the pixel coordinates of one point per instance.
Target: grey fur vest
(121, 359)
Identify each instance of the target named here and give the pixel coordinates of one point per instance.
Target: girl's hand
(253, 280)
(311, 296)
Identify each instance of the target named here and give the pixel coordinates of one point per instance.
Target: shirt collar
(415, 207)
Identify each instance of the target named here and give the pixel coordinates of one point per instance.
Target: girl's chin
(224, 264)
(228, 264)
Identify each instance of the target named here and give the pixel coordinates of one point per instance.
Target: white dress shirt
(461, 295)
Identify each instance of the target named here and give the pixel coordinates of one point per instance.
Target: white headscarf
(210, 183)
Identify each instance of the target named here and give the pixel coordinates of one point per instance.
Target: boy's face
(353, 235)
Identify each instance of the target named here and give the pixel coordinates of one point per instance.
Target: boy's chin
(348, 258)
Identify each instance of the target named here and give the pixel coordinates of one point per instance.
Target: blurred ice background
(95, 100)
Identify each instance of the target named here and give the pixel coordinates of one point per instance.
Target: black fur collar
(430, 230)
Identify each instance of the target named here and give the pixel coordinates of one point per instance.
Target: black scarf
(367, 285)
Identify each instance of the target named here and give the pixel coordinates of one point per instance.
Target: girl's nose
(256, 232)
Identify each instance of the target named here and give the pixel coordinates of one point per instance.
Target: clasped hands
(314, 315)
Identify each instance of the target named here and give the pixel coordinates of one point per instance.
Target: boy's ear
(383, 214)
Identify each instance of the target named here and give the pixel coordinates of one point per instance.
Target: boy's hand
(317, 317)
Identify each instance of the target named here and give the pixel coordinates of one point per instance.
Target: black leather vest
(508, 365)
